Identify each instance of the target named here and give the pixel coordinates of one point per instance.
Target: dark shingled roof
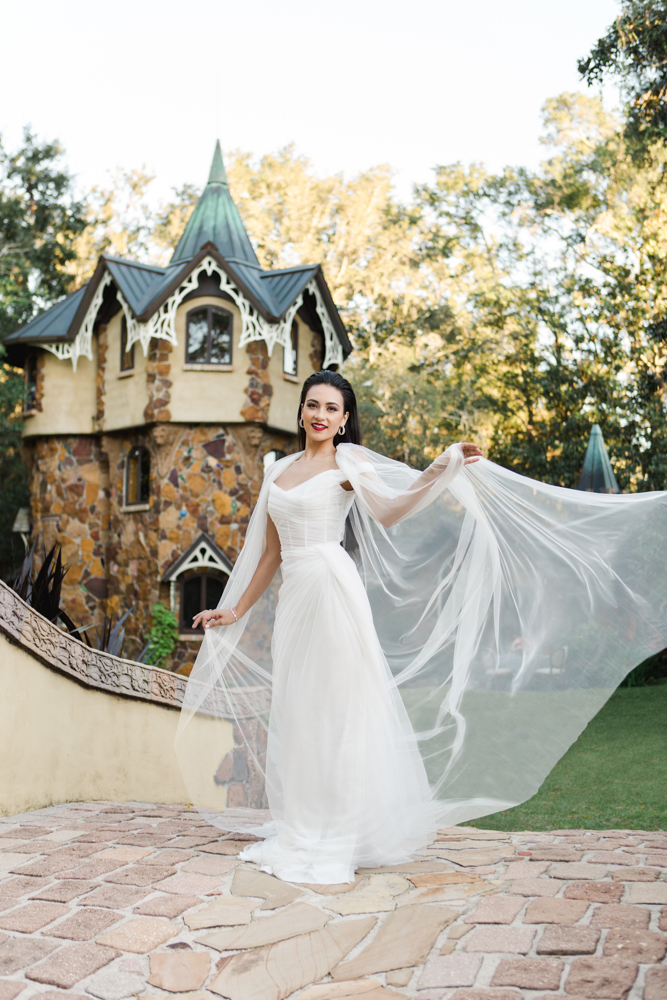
(215, 228)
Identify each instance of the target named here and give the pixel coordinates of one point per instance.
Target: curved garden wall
(78, 724)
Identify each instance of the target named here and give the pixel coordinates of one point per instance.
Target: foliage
(556, 283)
(651, 671)
(162, 637)
(120, 221)
(110, 639)
(40, 219)
(515, 309)
(613, 777)
(634, 50)
(42, 590)
(13, 471)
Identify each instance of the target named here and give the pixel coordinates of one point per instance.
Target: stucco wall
(69, 404)
(125, 396)
(61, 742)
(207, 396)
(85, 400)
(210, 396)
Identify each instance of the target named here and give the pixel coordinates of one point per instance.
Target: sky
(352, 84)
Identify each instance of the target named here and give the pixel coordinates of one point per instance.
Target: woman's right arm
(266, 570)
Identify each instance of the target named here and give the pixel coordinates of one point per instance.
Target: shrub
(162, 637)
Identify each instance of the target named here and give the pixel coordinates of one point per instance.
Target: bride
(438, 640)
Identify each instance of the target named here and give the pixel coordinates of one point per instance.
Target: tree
(120, 221)
(634, 50)
(13, 472)
(40, 219)
(516, 309)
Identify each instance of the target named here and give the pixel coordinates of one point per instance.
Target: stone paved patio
(112, 901)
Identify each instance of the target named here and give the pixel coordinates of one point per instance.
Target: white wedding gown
(345, 781)
(435, 677)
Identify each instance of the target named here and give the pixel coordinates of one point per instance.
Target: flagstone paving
(112, 901)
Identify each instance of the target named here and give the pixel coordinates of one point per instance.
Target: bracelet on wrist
(234, 613)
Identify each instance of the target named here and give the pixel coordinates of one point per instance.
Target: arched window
(199, 591)
(126, 353)
(137, 477)
(209, 336)
(291, 353)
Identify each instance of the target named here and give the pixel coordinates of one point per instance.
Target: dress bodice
(312, 513)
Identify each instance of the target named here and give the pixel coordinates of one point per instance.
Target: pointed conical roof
(216, 220)
(597, 475)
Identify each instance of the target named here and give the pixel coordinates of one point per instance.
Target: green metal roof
(53, 324)
(216, 220)
(597, 475)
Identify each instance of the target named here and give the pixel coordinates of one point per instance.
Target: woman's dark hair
(336, 381)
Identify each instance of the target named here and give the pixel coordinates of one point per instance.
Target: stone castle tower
(155, 396)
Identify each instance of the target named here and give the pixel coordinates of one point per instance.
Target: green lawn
(614, 776)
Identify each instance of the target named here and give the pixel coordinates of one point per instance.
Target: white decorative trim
(83, 342)
(280, 333)
(333, 354)
(203, 557)
(162, 324)
(133, 331)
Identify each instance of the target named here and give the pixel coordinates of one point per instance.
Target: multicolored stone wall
(70, 505)
(259, 389)
(203, 479)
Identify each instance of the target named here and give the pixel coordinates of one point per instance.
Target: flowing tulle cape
(508, 610)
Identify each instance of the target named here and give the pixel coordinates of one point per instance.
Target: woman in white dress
(345, 781)
(434, 671)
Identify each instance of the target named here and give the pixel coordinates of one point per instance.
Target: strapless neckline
(316, 476)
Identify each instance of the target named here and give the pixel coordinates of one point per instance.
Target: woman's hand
(211, 619)
(471, 452)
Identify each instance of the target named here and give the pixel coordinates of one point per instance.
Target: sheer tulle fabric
(435, 669)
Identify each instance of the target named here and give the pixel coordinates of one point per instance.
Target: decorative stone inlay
(67, 655)
(404, 939)
(274, 892)
(297, 919)
(279, 969)
(179, 971)
(226, 911)
(378, 895)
